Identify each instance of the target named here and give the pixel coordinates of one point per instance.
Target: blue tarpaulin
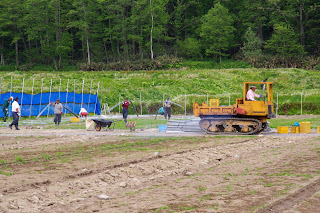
(36, 103)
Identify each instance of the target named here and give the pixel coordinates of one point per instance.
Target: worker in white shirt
(15, 114)
(251, 94)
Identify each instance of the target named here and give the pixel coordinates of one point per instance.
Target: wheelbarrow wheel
(98, 128)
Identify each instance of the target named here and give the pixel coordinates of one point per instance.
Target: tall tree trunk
(58, 30)
(111, 42)
(177, 46)
(124, 37)
(133, 32)
(88, 51)
(140, 43)
(106, 51)
(260, 32)
(17, 53)
(301, 25)
(2, 53)
(151, 31)
(55, 62)
(86, 33)
(83, 50)
(118, 49)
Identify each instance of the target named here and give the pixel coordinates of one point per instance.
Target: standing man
(5, 108)
(251, 94)
(15, 113)
(167, 111)
(58, 110)
(125, 109)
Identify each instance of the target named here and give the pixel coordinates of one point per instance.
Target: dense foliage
(70, 32)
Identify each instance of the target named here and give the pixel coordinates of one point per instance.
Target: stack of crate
(305, 127)
(283, 129)
(295, 129)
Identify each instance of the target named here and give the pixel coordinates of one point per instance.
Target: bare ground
(65, 171)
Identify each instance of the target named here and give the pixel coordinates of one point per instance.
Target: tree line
(67, 32)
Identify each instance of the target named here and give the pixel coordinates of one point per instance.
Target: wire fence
(283, 103)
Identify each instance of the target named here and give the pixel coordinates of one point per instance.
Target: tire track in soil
(289, 201)
(35, 185)
(92, 184)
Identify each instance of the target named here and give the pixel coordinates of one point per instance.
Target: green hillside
(196, 84)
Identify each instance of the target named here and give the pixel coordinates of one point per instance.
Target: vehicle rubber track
(255, 131)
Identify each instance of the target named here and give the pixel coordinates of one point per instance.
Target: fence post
(89, 95)
(74, 93)
(119, 101)
(49, 97)
(82, 93)
(31, 98)
(0, 86)
(96, 99)
(277, 104)
(301, 102)
(185, 103)
(11, 89)
(41, 95)
(22, 96)
(163, 99)
(10, 108)
(140, 104)
(65, 111)
(101, 92)
(59, 88)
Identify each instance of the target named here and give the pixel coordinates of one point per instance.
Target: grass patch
(229, 188)
(252, 192)
(141, 123)
(269, 185)
(159, 210)
(201, 189)
(5, 173)
(204, 198)
(255, 208)
(20, 160)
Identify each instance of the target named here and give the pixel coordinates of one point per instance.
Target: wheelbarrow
(100, 122)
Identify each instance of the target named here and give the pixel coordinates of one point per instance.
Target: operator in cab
(251, 94)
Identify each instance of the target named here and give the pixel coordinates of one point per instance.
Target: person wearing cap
(5, 108)
(251, 94)
(58, 110)
(15, 114)
(125, 110)
(167, 111)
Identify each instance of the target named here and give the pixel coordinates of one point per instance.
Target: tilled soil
(67, 171)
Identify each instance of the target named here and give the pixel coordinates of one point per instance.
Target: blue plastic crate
(162, 128)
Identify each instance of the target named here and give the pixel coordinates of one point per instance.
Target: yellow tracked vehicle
(243, 118)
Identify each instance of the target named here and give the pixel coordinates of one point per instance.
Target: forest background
(151, 34)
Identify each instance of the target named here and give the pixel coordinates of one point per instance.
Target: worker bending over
(251, 94)
(83, 112)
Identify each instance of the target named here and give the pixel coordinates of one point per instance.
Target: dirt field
(145, 171)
